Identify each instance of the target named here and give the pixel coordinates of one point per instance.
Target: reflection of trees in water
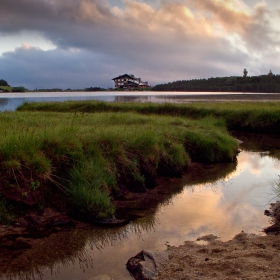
(267, 145)
(275, 154)
(209, 173)
(64, 247)
(76, 246)
(257, 142)
(61, 249)
(197, 175)
(55, 251)
(146, 224)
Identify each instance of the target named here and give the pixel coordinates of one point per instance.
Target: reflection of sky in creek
(223, 208)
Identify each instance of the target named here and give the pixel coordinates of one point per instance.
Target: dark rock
(272, 229)
(267, 213)
(144, 266)
(274, 213)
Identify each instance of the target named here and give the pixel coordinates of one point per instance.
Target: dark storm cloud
(175, 40)
(34, 68)
(20, 15)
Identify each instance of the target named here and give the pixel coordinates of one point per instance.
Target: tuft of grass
(90, 202)
(174, 159)
(276, 187)
(12, 164)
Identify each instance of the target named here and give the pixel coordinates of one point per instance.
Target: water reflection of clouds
(226, 206)
(204, 211)
(256, 164)
(223, 208)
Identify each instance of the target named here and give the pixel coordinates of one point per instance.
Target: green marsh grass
(89, 158)
(261, 117)
(6, 88)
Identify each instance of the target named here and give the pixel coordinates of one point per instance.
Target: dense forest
(263, 83)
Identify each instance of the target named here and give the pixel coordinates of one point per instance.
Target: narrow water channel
(220, 199)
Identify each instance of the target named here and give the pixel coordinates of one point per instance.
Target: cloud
(34, 68)
(164, 42)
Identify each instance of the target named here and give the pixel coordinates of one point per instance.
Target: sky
(86, 43)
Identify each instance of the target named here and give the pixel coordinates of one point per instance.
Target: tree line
(269, 83)
(3, 83)
(4, 86)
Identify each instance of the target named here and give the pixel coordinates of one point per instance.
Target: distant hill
(264, 83)
(4, 86)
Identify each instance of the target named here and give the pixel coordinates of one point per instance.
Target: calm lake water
(222, 199)
(10, 101)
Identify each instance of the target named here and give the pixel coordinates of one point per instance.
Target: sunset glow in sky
(84, 43)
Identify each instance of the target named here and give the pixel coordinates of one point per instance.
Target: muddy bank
(48, 237)
(246, 256)
(129, 205)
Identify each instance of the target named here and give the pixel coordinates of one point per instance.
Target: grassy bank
(261, 117)
(79, 162)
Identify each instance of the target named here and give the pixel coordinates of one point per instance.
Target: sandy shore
(249, 257)
(245, 257)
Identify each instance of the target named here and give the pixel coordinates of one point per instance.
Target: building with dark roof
(129, 82)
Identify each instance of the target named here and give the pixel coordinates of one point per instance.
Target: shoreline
(182, 94)
(246, 256)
